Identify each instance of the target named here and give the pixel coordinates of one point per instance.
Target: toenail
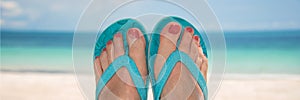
(109, 42)
(118, 34)
(174, 29)
(133, 33)
(189, 29)
(196, 38)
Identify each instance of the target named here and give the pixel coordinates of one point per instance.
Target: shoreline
(239, 76)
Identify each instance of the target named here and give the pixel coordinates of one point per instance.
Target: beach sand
(63, 86)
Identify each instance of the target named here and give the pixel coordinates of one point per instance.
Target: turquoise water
(36, 51)
(247, 52)
(36, 59)
(263, 61)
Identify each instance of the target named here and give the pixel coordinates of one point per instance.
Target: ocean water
(263, 52)
(36, 51)
(250, 52)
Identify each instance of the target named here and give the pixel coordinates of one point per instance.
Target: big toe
(170, 34)
(168, 39)
(137, 47)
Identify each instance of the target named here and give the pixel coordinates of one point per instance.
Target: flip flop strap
(127, 62)
(179, 56)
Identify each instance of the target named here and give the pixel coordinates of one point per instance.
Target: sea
(247, 52)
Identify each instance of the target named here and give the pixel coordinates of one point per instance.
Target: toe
(171, 32)
(201, 59)
(110, 51)
(97, 68)
(204, 63)
(186, 40)
(118, 45)
(194, 48)
(137, 46)
(133, 35)
(168, 39)
(204, 67)
(104, 60)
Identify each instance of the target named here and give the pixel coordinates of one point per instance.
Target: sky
(63, 15)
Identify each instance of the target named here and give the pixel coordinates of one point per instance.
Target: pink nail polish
(118, 34)
(133, 33)
(174, 29)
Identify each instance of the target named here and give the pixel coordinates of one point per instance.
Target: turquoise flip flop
(121, 26)
(176, 56)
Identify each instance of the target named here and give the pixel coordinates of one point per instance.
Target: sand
(260, 87)
(63, 86)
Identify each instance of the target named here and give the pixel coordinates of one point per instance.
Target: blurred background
(262, 39)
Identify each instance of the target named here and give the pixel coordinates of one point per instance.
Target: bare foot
(180, 85)
(121, 85)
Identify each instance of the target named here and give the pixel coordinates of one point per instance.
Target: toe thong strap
(123, 61)
(178, 56)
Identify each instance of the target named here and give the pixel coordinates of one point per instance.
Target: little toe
(97, 68)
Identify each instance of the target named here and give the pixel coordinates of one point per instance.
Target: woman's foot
(121, 85)
(180, 85)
